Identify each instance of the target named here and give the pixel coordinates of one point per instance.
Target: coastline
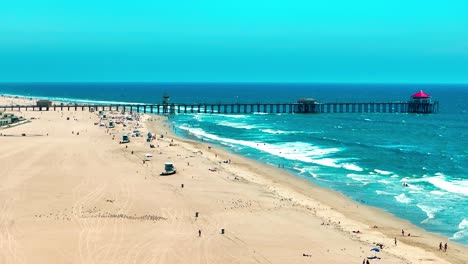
(310, 195)
(303, 202)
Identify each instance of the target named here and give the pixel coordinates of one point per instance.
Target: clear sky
(416, 41)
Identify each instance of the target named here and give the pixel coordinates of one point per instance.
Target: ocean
(367, 157)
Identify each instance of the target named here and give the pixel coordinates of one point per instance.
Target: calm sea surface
(364, 156)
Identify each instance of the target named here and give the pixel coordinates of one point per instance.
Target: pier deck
(296, 108)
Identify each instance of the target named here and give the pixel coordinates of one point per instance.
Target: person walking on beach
(445, 247)
(440, 246)
(199, 233)
(403, 232)
(395, 241)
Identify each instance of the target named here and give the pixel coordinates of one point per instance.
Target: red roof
(420, 94)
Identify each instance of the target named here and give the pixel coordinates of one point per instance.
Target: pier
(297, 108)
(419, 103)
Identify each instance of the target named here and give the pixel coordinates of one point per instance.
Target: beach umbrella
(375, 249)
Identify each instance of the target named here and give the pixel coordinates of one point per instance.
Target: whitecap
(454, 186)
(463, 233)
(384, 181)
(271, 131)
(437, 192)
(329, 162)
(236, 125)
(232, 116)
(300, 170)
(350, 166)
(430, 211)
(379, 192)
(365, 179)
(383, 172)
(292, 150)
(402, 198)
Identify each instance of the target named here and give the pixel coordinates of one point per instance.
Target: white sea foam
(463, 224)
(272, 131)
(232, 116)
(350, 166)
(430, 211)
(301, 151)
(300, 170)
(383, 172)
(453, 186)
(329, 162)
(313, 174)
(463, 233)
(383, 193)
(384, 181)
(402, 198)
(292, 150)
(365, 179)
(437, 192)
(236, 125)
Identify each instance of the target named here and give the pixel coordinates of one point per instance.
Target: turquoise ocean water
(367, 157)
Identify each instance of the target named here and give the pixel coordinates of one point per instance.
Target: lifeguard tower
(125, 139)
(165, 103)
(167, 108)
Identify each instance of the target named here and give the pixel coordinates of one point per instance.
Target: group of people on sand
(444, 247)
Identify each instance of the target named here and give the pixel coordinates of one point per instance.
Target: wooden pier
(271, 108)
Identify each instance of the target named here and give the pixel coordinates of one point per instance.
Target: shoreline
(366, 218)
(334, 210)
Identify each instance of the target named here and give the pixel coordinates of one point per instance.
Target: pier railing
(350, 107)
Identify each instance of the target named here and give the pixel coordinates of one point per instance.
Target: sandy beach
(70, 193)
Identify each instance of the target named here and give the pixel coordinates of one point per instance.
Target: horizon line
(228, 82)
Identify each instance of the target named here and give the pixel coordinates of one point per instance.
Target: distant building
(44, 103)
(7, 119)
(421, 102)
(307, 105)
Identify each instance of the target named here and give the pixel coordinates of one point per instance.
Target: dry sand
(68, 198)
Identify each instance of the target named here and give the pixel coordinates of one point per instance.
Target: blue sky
(234, 41)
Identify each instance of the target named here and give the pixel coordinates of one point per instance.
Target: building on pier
(421, 102)
(44, 103)
(306, 105)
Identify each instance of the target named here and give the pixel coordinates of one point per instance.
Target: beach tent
(148, 155)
